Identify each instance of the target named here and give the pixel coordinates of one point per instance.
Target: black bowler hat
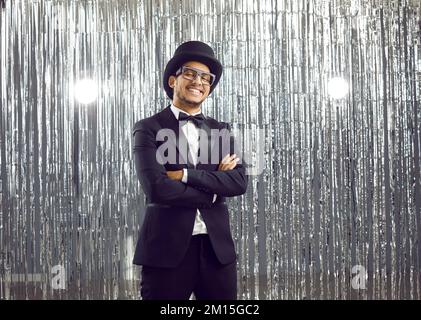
(192, 51)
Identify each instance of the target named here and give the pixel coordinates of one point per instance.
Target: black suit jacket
(171, 205)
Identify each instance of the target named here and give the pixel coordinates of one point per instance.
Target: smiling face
(189, 94)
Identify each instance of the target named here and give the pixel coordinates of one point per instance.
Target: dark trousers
(200, 272)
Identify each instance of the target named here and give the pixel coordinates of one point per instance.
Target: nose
(197, 78)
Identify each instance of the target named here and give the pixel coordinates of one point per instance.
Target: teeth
(195, 91)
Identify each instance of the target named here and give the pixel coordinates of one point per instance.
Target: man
(185, 244)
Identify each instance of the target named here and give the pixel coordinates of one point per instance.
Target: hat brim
(177, 61)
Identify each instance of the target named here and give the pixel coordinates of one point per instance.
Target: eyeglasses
(190, 73)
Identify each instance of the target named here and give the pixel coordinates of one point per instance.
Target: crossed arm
(165, 187)
(226, 182)
(158, 187)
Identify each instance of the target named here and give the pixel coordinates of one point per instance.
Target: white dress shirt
(192, 135)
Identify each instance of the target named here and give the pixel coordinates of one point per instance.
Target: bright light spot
(86, 91)
(337, 88)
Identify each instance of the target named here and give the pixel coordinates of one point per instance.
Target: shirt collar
(177, 111)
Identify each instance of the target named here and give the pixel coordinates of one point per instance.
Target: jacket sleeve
(227, 183)
(158, 187)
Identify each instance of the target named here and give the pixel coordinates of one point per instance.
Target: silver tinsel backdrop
(336, 213)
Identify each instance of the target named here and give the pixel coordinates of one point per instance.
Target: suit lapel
(210, 142)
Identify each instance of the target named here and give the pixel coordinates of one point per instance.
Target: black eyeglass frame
(198, 73)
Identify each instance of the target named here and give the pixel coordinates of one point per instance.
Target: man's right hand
(228, 162)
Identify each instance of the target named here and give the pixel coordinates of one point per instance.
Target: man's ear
(171, 81)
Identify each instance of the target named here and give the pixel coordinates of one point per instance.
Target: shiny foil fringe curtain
(336, 213)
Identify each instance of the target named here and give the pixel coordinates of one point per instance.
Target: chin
(196, 101)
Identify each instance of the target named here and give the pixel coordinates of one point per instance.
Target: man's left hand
(175, 175)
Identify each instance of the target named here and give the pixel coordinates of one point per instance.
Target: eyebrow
(197, 69)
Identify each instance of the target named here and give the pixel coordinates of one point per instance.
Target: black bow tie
(196, 119)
